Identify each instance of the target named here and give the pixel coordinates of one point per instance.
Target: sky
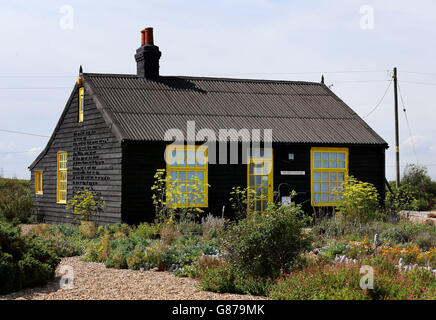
(355, 44)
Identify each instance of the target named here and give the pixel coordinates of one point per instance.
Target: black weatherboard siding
(120, 145)
(93, 160)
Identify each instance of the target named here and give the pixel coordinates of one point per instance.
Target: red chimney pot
(147, 36)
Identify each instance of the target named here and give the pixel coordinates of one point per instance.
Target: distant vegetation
(417, 191)
(15, 202)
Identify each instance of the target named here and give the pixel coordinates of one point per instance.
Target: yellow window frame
(328, 172)
(187, 163)
(38, 182)
(62, 174)
(81, 103)
(253, 176)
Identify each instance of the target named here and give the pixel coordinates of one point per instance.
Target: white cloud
(34, 150)
(417, 141)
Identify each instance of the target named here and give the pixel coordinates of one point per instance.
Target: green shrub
(359, 201)
(136, 259)
(199, 267)
(85, 205)
(396, 235)
(145, 230)
(253, 285)
(212, 226)
(24, 262)
(342, 282)
(422, 187)
(336, 248)
(15, 200)
(402, 198)
(220, 279)
(121, 249)
(156, 256)
(426, 240)
(65, 240)
(88, 229)
(263, 244)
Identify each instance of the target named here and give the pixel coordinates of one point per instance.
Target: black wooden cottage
(112, 136)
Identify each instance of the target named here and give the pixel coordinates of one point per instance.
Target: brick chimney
(147, 56)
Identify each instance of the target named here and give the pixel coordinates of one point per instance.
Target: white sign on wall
(292, 173)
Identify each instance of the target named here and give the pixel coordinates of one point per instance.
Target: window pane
(317, 198)
(191, 162)
(258, 180)
(325, 156)
(317, 164)
(265, 193)
(325, 164)
(173, 154)
(325, 176)
(251, 168)
(173, 162)
(257, 168)
(200, 176)
(265, 180)
(333, 187)
(191, 175)
(191, 154)
(333, 164)
(182, 187)
(265, 168)
(182, 175)
(267, 153)
(252, 180)
(317, 176)
(173, 175)
(341, 176)
(264, 204)
(317, 155)
(325, 187)
(332, 155)
(325, 198)
(333, 197)
(317, 187)
(200, 198)
(341, 156)
(258, 192)
(341, 164)
(333, 176)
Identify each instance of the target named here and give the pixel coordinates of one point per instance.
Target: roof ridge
(204, 78)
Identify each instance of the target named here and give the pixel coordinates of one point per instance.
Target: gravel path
(93, 281)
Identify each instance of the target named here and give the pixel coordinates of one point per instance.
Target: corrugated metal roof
(297, 112)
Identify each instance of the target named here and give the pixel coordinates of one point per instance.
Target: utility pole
(397, 133)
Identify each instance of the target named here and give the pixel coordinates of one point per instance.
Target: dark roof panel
(297, 112)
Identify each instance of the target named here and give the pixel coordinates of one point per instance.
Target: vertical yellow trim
(38, 182)
(270, 163)
(81, 103)
(329, 170)
(62, 173)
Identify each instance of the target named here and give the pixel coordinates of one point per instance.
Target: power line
(379, 103)
(18, 152)
(418, 82)
(25, 133)
(423, 73)
(408, 124)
